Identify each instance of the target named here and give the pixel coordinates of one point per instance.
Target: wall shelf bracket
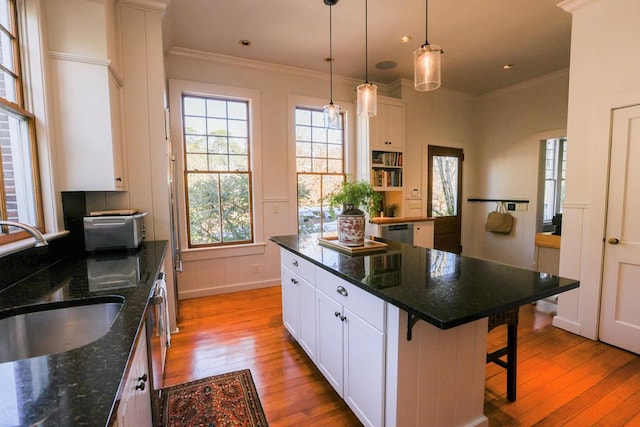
(479, 199)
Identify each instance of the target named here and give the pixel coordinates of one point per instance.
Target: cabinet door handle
(140, 386)
(343, 318)
(337, 314)
(342, 291)
(294, 281)
(143, 378)
(119, 179)
(295, 262)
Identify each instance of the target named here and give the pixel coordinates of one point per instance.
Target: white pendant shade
(367, 100)
(426, 67)
(331, 116)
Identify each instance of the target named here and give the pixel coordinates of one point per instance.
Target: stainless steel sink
(51, 328)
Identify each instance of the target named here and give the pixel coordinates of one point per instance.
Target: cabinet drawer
(298, 265)
(367, 306)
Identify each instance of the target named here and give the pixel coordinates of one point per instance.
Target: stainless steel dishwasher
(398, 232)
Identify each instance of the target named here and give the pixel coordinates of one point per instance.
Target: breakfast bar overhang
(435, 321)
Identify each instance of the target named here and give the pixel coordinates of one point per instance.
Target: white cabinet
(351, 351)
(381, 141)
(342, 329)
(364, 369)
(386, 129)
(330, 346)
(134, 409)
(423, 234)
(299, 301)
(87, 95)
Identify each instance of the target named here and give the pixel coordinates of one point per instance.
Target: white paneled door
(620, 316)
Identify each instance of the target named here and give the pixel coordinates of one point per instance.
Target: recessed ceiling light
(507, 66)
(245, 42)
(386, 65)
(405, 39)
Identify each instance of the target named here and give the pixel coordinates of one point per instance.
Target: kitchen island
(419, 314)
(82, 386)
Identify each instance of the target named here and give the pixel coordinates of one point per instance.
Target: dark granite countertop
(442, 288)
(79, 387)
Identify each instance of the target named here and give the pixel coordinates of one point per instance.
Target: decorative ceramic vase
(351, 228)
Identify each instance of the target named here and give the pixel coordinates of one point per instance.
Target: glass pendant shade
(426, 67)
(331, 116)
(367, 100)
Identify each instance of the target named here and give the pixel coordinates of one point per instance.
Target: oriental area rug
(226, 400)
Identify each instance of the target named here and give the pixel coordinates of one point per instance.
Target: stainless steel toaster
(111, 232)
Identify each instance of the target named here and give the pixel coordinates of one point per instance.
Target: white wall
(218, 270)
(511, 124)
(605, 74)
(442, 118)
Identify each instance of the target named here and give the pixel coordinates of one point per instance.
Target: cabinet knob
(343, 318)
(143, 378)
(295, 262)
(613, 241)
(342, 291)
(140, 386)
(119, 179)
(337, 314)
(294, 281)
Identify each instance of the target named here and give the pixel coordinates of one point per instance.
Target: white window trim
(34, 74)
(349, 130)
(176, 89)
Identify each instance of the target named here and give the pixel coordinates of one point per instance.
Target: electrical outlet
(511, 206)
(522, 207)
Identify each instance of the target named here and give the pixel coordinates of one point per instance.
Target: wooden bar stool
(509, 318)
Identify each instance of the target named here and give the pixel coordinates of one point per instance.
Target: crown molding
(220, 59)
(525, 84)
(150, 5)
(571, 6)
(407, 85)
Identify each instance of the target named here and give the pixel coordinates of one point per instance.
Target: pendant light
(367, 92)
(426, 62)
(331, 110)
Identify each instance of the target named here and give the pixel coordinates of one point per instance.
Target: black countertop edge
(80, 387)
(451, 318)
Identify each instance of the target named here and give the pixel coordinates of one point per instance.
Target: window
(554, 179)
(319, 169)
(217, 170)
(19, 180)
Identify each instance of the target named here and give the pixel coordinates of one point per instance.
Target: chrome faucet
(40, 240)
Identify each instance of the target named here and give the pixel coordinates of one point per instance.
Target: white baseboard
(567, 325)
(197, 293)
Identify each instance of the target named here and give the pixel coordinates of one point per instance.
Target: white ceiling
(477, 36)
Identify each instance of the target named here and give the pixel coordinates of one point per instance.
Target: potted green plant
(353, 196)
(391, 209)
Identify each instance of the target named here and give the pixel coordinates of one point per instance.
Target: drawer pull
(294, 281)
(342, 291)
(295, 262)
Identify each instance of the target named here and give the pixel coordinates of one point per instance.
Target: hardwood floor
(563, 379)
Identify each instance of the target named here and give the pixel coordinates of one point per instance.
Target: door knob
(613, 241)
